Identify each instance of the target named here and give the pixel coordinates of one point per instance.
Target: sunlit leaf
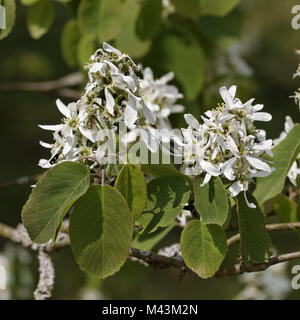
(101, 229)
(52, 198)
(203, 247)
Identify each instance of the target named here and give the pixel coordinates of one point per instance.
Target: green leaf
(40, 17)
(100, 18)
(149, 19)
(285, 153)
(285, 209)
(127, 39)
(187, 8)
(131, 183)
(217, 7)
(159, 170)
(52, 198)
(101, 229)
(211, 200)
(186, 59)
(203, 248)
(167, 197)
(255, 243)
(10, 16)
(63, 1)
(69, 42)
(86, 47)
(28, 2)
(147, 241)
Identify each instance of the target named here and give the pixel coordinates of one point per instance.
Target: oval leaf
(100, 18)
(147, 241)
(101, 229)
(211, 200)
(86, 47)
(187, 8)
(203, 248)
(285, 153)
(217, 7)
(52, 198)
(167, 197)
(9, 12)
(131, 183)
(255, 243)
(186, 59)
(285, 209)
(127, 40)
(40, 17)
(149, 19)
(69, 42)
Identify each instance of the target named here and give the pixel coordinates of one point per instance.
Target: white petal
(100, 153)
(110, 102)
(258, 107)
(107, 47)
(148, 113)
(206, 180)
(236, 188)
(89, 134)
(289, 124)
(191, 121)
(226, 96)
(131, 82)
(96, 67)
(232, 91)
(46, 145)
(228, 169)
(258, 164)
(164, 113)
(267, 144)
(130, 115)
(44, 164)
(177, 108)
(232, 146)
(62, 108)
(68, 144)
(249, 204)
(261, 116)
(208, 167)
(52, 127)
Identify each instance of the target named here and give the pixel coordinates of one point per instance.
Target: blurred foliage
(207, 43)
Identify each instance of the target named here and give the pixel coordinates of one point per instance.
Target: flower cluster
(117, 90)
(228, 144)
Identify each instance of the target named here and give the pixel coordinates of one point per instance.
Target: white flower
(228, 144)
(112, 94)
(160, 97)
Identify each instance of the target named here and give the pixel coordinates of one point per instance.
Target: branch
(269, 227)
(60, 85)
(152, 259)
(241, 268)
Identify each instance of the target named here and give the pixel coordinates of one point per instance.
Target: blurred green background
(252, 47)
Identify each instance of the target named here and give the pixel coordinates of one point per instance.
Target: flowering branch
(148, 258)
